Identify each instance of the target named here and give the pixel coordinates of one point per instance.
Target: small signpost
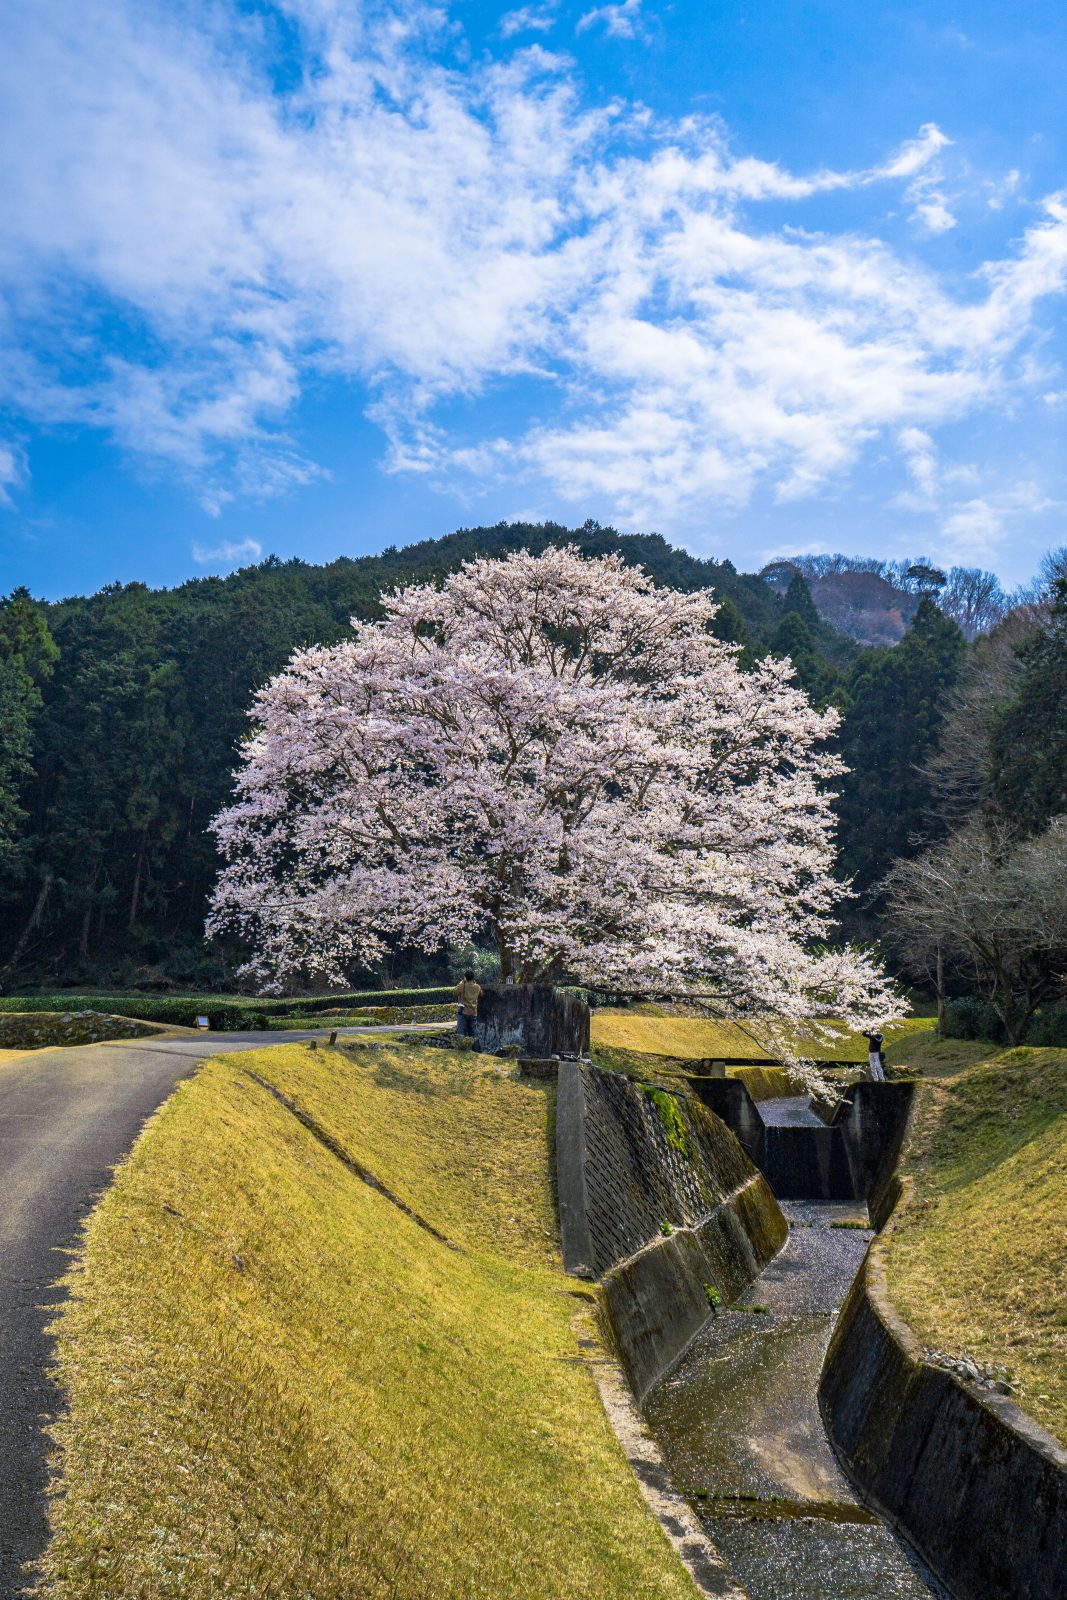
(202, 1022)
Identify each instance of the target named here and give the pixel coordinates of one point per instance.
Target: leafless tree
(993, 909)
(960, 770)
(974, 600)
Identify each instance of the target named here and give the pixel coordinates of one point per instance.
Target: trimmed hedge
(227, 1013)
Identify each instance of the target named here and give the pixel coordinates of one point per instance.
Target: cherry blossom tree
(553, 751)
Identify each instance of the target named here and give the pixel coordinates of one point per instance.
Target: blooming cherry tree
(553, 751)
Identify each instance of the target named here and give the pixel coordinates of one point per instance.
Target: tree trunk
(939, 984)
(136, 895)
(83, 937)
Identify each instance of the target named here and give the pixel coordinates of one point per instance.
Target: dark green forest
(122, 713)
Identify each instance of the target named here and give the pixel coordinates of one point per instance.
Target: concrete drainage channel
(737, 1420)
(721, 1315)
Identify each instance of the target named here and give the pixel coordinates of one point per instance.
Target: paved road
(66, 1118)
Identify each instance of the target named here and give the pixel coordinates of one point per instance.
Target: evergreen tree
(798, 602)
(1029, 736)
(27, 657)
(815, 675)
(894, 703)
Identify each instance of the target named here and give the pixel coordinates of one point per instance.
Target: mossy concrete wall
(971, 1482)
(658, 1200)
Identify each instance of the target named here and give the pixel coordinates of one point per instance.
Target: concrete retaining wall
(630, 1164)
(971, 1482)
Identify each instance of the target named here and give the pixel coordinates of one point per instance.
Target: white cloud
(528, 19)
(228, 554)
(621, 21)
(934, 214)
(12, 471)
(428, 233)
(915, 154)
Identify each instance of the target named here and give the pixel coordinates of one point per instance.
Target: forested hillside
(127, 708)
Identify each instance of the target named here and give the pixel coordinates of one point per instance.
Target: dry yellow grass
(281, 1386)
(978, 1263)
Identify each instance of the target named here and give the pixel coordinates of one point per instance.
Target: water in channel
(739, 1426)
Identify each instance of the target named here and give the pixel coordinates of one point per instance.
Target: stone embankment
(536, 1018)
(976, 1487)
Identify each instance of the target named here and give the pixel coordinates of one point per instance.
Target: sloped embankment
(974, 1258)
(286, 1379)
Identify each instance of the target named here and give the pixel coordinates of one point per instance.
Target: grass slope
(280, 1385)
(977, 1264)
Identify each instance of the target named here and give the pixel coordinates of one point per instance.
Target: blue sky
(315, 278)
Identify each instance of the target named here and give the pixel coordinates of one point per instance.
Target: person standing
(874, 1057)
(468, 993)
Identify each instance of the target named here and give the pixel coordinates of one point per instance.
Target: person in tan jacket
(468, 993)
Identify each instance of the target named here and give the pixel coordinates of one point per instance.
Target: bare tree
(960, 770)
(974, 600)
(993, 909)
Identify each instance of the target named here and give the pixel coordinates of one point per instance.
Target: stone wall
(537, 1017)
(971, 1482)
(39, 1030)
(658, 1200)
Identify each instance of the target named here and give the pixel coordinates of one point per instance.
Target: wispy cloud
(228, 554)
(621, 21)
(429, 234)
(12, 471)
(528, 19)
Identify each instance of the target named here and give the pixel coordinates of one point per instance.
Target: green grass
(280, 1385)
(977, 1263)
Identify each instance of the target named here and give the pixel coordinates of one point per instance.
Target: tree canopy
(554, 751)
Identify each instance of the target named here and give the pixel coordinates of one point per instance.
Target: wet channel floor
(739, 1427)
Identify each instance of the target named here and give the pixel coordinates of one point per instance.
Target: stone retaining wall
(971, 1482)
(40, 1030)
(659, 1201)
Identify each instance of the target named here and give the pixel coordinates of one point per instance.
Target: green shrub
(971, 1018)
(1048, 1026)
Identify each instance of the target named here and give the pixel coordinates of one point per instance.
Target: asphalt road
(66, 1118)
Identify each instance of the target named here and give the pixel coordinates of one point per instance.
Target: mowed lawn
(977, 1264)
(281, 1385)
(697, 1038)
